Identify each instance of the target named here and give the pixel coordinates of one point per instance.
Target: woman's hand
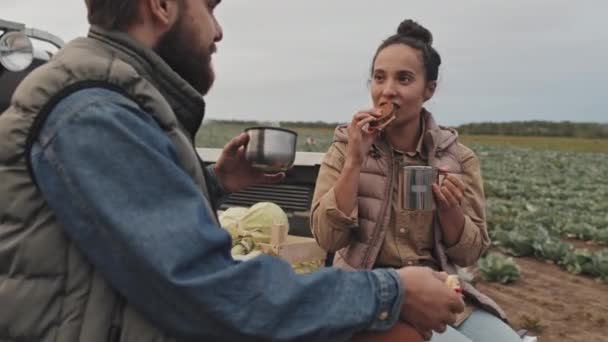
(450, 193)
(449, 197)
(360, 138)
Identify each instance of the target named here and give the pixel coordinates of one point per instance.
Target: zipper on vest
(385, 205)
(115, 329)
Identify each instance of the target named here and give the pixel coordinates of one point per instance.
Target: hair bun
(411, 29)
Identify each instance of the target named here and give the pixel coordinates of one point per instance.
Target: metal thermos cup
(418, 187)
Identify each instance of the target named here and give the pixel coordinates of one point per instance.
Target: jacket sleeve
(217, 193)
(474, 240)
(332, 228)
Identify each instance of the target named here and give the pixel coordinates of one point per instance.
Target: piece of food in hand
(388, 110)
(453, 282)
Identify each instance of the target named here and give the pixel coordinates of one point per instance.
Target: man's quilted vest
(48, 291)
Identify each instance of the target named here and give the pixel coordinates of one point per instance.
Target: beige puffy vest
(48, 291)
(375, 184)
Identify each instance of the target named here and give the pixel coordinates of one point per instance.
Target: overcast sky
(309, 60)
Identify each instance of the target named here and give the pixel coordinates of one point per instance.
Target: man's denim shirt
(111, 176)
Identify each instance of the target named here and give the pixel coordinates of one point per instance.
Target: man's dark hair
(112, 14)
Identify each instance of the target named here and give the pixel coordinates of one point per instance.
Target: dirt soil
(554, 304)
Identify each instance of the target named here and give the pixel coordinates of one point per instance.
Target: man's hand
(235, 173)
(429, 305)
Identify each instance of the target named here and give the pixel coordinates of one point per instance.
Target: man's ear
(429, 91)
(163, 12)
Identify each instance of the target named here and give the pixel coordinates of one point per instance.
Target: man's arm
(216, 191)
(111, 177)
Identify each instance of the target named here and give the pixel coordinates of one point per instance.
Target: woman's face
(398, 76)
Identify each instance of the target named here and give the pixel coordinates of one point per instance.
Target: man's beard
(189, 61)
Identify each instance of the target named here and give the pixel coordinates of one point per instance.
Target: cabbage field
(552, 205)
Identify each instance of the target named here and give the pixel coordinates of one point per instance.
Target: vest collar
(434, 139)
(187, 103)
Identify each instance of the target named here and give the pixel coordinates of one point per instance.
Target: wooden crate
(293, 249)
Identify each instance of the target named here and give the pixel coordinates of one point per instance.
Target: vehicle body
(293, 195)
(9, 79)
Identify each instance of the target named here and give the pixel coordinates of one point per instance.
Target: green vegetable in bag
(261, 217)
(230, 218)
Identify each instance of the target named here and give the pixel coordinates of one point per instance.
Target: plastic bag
(230, 218)
(261, 217)
(249, 227)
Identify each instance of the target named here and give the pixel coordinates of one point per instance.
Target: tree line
(512, 128)
(537, 128)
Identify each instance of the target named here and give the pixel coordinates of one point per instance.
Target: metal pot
(271, 149)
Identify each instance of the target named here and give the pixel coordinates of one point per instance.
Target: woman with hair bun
(357, 211)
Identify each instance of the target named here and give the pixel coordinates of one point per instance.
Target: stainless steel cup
(271, 149)
(418, 187)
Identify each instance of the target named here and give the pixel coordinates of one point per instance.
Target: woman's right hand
(360, 138)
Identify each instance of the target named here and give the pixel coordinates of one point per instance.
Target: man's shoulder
(91, 103)
(88, 96)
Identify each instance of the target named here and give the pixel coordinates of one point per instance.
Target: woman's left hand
(450, 193)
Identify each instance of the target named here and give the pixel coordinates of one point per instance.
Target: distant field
(539, 143)
(217, 134)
